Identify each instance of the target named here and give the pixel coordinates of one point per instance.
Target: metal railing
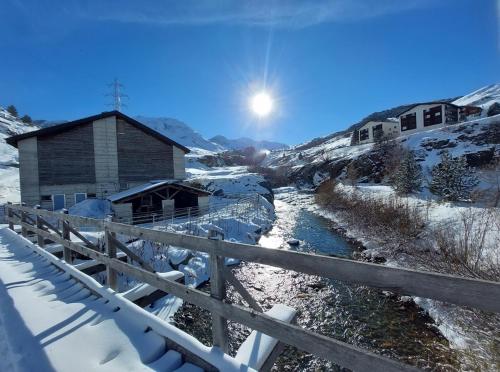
(474, 293)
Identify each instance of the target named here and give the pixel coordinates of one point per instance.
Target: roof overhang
(152, 187)
(69, 125)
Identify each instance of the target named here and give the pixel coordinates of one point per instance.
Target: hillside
(9, 165)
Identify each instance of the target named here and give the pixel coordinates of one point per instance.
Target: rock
(480, 158)
(293, 242)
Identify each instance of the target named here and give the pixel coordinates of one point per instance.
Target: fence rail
(475, 293)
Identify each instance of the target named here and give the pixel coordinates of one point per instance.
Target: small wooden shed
(159, 198)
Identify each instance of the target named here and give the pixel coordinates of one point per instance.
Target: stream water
(354, 314)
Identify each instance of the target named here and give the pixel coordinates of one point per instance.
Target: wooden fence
(480, 294)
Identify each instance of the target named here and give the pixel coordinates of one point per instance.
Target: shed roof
(427, 103)
(153, 186)
(69, 125)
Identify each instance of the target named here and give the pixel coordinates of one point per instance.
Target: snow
(255, 350)
(79, 324)
(483, 97)
(181, 133)
(92, 208)
(143, 290)
(137, 189)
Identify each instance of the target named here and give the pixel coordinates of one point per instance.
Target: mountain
(244, 142)
(9, 164)
(180, 132)
(483, 97)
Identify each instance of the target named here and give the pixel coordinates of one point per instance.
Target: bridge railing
(475, 293)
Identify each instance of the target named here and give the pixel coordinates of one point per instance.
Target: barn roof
(69, 125)
(153, 186)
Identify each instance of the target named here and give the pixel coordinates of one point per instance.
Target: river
(360, 316)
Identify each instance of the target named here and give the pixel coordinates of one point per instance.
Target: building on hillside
(103, 156)
(374, 130)
(430, 115)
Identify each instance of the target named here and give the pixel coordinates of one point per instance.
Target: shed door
(58, 201)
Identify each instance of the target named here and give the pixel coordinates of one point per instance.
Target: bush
(27, 119)
(389, 218)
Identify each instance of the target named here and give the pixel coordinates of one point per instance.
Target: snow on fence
(474, 293)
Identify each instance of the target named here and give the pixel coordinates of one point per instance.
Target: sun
(261, 104)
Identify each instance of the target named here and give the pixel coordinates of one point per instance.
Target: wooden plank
(131, 254)
(24, 230)
(87, 242)
(481, 294)
(231, 279)
(111, 274)
(218, 291)
(50, 226)
(73, 219)
(40, 239)
(67, 256)
(9, 216)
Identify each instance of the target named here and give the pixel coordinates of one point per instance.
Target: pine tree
(11, 109)
(26, 119)
(408, 176)
(452, 179)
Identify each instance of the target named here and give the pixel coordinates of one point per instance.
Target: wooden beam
(131, 254)
(477, 293)
(87, 242)
(50, 226)
(231, 279)
(111, 274)
(218, 292)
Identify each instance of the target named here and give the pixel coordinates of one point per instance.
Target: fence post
(218, 291)
(24, 230)
(40, 240)
(66, 236)
(9, 216)
(111, 274)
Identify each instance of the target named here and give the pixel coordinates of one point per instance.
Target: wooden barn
(98, 157)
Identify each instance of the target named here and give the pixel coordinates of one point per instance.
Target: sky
(326, 64)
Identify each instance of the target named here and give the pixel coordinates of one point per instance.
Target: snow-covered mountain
(243, 142)
(483, 97)
(180, 132)
(9, 164)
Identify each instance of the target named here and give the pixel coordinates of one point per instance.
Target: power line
(117, 95)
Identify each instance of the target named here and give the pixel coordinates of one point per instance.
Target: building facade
(94, 157)
(426, 116)
(374, 130)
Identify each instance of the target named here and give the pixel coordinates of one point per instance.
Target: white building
(377, 129)
(428, 115)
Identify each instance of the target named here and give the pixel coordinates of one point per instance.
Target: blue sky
(326, 63)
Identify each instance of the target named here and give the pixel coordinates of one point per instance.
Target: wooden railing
(480, 294)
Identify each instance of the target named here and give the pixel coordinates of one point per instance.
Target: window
(91, 196)
(363, 134)
(409, 122)
(451, 114)
(58, 201)
(80, 196)
(432, 116)
(377, 131)
(46, 198)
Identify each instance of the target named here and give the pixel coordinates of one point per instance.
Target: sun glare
(261, 104)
